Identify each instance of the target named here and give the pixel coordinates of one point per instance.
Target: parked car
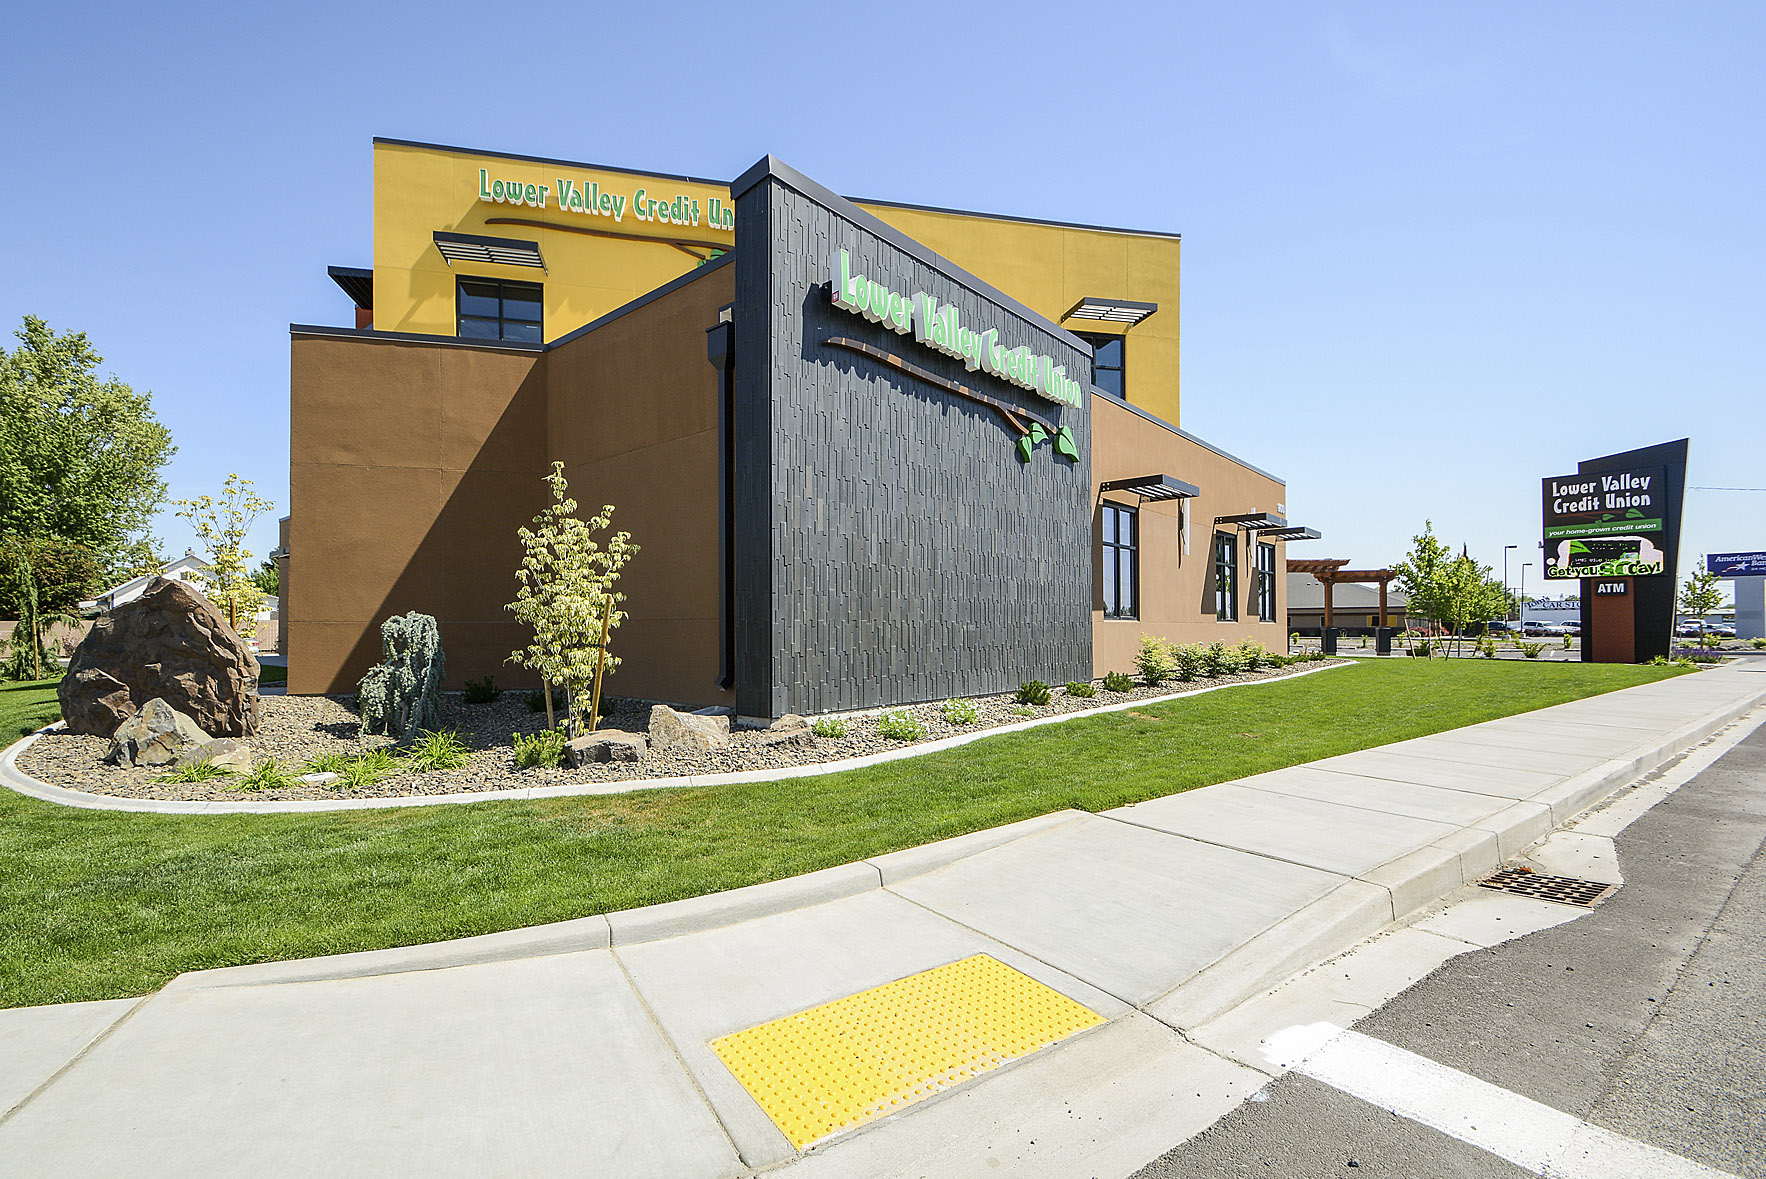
(1501, 626)
(1546, 629)
(1688, 630)
(1721, 629)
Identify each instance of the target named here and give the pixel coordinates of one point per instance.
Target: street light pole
(1505, 593)
(1521, 606)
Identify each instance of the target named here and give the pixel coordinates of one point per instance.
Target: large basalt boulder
(169, 644)
(687, 730)
(158, 735)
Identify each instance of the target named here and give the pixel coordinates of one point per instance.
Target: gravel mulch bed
(293, 729)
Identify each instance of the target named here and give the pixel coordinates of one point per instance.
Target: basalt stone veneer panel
(894, 548)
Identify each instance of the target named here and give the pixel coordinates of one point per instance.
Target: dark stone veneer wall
(889, 545)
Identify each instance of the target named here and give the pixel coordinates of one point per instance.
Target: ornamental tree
(566, 595)
(222, 524)
(1700, 596)
(1455, 593)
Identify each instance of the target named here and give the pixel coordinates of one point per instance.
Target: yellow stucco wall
(593, 265)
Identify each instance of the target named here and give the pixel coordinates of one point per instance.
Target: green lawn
(96, 905)
(25, 707)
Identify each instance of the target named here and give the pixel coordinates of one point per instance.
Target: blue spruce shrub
(401, 694)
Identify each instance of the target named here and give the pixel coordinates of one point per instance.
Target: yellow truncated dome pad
(834, 1066)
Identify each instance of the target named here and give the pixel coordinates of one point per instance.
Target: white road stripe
(1537, 1137)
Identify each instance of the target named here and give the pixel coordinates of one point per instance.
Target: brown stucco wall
(413, 463)
(1177, 588)
(633, 417)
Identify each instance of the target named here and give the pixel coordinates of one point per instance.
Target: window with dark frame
(1226, 577)
(1266, 583)
(1121, 561)
(1106, 365)
(497, 309)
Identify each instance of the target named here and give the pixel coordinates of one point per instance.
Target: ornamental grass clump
(198, 771)
(366, 769)
(438, 751)
(269, 774)
(402, 693)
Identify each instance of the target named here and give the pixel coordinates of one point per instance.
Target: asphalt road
(1647, 1017)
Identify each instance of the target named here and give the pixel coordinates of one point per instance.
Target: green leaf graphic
(1064, 444)
(1024, 445)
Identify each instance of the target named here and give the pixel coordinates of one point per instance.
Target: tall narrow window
(1266, 583)
(1121, 559)
(1226, 576)
(492, 309)
(1106, 364)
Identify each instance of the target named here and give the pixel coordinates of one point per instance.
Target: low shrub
(1531, 650)
(544, 748)
(438, 751)
(1220, 659)
(1253, 656)
(961, 712)
(1033, 692)
(1118, 681)
(1702, 657)
(1084, 689)
(1154, 661)
(1022, 710)
(900, 725)
(198, 771)
(1191, 660)
(1759, 644)
(485, 690)
(829, 726)
(536, 701)
(269, 774)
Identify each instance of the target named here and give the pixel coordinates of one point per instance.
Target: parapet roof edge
(771, 166)
(510, 155)
(1186, 435)
(673, 284)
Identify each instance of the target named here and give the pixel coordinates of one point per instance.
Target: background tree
(1700, 596)
(222, 524)
(567, 597)
(63, 572)
(27, 654)
(268, 578)
(80, 457)
(1455, 593)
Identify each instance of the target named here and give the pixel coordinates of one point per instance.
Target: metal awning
(1123, 311)
(1153, 487)
(358, 284)
(1254, 521)
(1292, 532)
(503, 251)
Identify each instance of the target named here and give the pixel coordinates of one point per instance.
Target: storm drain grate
(1565, 890)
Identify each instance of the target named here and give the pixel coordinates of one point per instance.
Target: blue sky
(1431, 253)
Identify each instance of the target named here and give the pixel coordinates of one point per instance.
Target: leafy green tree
(1701, 594)
(64, 573)
(80, 457)
(268, 578)
(222, 524)
(1455, 593)
(567, 596)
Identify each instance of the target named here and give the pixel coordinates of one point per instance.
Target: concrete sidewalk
(585, 1047)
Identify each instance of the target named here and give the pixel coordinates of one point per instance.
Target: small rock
(225, 752)
(605, 745)
(157, 735)
(787, 723)
(775, 737)
(324, 779)
(687, 730)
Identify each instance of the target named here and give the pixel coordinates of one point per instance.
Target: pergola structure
(1329, 571)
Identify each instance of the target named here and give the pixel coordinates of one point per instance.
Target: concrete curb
(16, 779)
